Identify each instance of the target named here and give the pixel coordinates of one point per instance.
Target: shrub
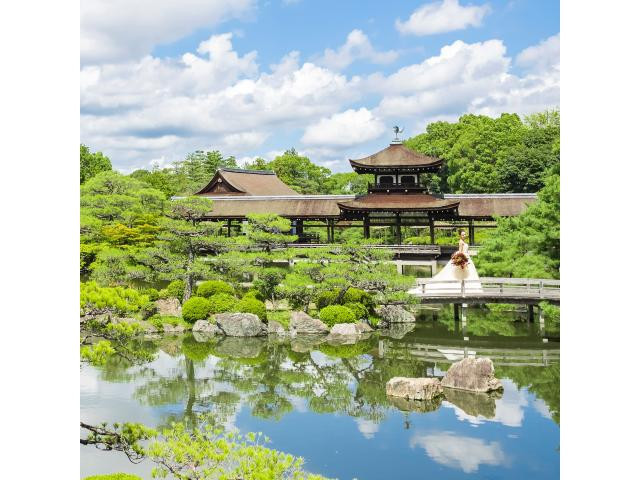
(211, 287)
(356, 295)
(114, 476)
(253, 305)
(176, 289)
(334, 314)
(196, 308)
(159, 320)
(95, 299)
(358, 309)
(252, 293)
(326, 298)
(152, 293)
(223, 302)
(148, 309)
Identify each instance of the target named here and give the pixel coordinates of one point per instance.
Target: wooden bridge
(397, 249)
(448, 354)
(491, 290)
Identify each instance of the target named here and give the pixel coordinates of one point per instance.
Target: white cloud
(462, 453)
(117, 30)
(542, 57)
(441, 17)
(345, 129)
(357, 47)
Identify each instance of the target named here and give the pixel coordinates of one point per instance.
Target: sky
(253, 78)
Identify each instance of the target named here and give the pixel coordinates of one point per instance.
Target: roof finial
(397, 130)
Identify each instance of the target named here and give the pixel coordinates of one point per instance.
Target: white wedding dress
(453, 276)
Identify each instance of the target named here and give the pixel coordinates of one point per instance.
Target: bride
(451, 273)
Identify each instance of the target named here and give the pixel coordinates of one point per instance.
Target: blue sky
(253, 78)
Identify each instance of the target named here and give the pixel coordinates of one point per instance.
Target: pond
(327, 403)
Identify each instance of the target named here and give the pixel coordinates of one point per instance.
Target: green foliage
(211, 287)
(282, 317)
(527, 245)
(300, 173)
(357, 295)
(491, 155)
(358, 309)
(152, 293)
(334, 314)
(267, 282)
(114, 476)
(268, 230)
(208, 453)
(252, 305)
(223, 302)
(252, 293)
(159, 320)
(196, 308)
(96, 299)
(92, 163)
(326, 298)
(196, 351)
(148, 309)
(98, 353)
(175, 289)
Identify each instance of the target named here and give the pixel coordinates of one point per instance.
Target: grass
(280, 316)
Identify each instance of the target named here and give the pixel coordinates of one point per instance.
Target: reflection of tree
(480, 322)
(544, 382)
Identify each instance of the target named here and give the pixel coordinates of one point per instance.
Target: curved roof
(235, 181)
(399, 203)
(396, 155)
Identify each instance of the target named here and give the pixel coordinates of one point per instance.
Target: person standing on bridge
(449, 279)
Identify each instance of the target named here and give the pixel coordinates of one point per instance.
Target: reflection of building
(395, 199)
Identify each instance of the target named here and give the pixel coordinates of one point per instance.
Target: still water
(327, 403)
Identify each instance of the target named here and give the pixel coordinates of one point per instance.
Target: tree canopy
(92, 163)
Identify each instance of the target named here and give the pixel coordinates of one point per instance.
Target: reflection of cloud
(542, 408)
(509, 408)
(463, 453)
(367, 428)
(299, 404)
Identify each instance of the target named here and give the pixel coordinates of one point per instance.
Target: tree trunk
(188, 279)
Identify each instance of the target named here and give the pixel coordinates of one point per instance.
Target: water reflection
(299, 386)
(459, 452)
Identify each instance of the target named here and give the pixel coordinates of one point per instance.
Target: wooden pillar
(365, 223)
(328, 231)
(456, 311)
(432, 232)
(472, 233)
(530, 312)
(229, 228)
(332, 231)
(299, 227)
(398, 230)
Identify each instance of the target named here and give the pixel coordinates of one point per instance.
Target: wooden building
(394, 200)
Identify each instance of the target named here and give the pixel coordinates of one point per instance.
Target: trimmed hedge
(175, 289)
(326, 298)
(358, 309)
(334, 314)
(223, 302)
(211, 287)
(356, 295)
(253, 305)
(196, 308)
(116, 299)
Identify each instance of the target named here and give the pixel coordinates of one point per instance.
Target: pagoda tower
(396, 198)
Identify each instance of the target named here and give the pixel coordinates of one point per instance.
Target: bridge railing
(490, 287)
(431, 249)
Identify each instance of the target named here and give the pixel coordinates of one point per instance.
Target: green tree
(92, 163)
(300, 173)
(527, 245)
(268, 230)
(349, 183)
(177, 254)
(199, 167)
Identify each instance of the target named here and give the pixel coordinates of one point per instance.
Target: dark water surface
(327, 403)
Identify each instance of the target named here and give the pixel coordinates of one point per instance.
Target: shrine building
(394, 200)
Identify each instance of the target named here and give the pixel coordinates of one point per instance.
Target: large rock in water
(275, 328)
(302, 324)
(169, 306)
(240, 324)
(394, 314)
(472, 374)
(204, 330)
(414, 388)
